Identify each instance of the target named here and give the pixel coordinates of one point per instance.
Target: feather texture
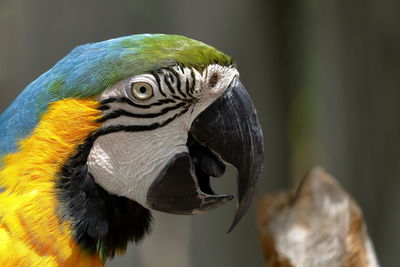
(31, 233)
(89, 69)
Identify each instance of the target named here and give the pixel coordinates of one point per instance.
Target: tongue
(205, 161)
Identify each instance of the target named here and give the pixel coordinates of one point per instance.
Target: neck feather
(51, 164)
(102, 223)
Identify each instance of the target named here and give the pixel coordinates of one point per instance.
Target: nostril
(213, 79)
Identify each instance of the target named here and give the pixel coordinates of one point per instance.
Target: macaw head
(173, 114)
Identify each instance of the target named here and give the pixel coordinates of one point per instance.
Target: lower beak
(226, 133)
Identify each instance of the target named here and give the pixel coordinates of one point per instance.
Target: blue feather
(89, 69)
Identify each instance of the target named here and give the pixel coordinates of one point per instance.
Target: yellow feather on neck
(29, 225)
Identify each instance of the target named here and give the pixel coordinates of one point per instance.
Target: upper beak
(227, 132)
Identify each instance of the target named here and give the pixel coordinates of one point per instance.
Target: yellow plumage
(31, 233)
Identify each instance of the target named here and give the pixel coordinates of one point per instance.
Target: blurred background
(324, 76)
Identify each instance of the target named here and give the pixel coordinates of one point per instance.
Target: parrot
(114, 130)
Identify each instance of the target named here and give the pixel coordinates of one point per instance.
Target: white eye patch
(152, 114)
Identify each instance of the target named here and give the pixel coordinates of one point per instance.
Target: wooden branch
(318, 225)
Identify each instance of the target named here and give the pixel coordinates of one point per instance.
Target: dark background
(324, 75)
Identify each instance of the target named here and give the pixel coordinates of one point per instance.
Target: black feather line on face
(121, 112)
(178, 80)
(102, 223)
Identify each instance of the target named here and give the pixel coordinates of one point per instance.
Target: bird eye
(142, 91)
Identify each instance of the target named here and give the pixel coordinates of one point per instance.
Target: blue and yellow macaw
(113, 130)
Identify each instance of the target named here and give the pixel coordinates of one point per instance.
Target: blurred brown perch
(318, 225)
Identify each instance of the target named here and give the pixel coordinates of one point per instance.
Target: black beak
(227, 132)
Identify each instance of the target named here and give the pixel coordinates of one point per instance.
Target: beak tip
(236, 136)
(236, 220)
